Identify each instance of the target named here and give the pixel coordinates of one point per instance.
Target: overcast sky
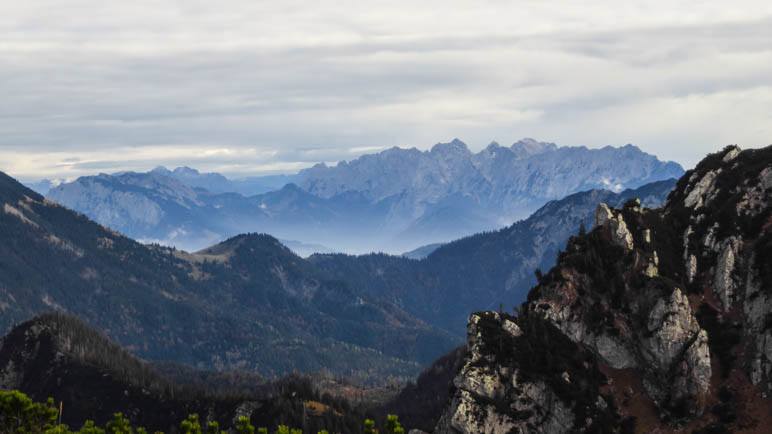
(252, 86)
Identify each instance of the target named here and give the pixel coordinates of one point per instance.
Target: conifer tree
(213, 427)
(90, 428)
(243, 426)
(393, 426)
(119, 425)
(191, 425)
(370, 427)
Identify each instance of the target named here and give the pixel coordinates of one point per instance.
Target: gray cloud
(249, 87)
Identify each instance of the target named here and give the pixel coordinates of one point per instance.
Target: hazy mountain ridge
(156, 207)
(393, 201)
(512, 181)
(248, 302)
(483, 270)
(217, 183)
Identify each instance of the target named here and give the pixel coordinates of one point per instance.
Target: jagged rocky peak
(529, 147)
(671, 306)
(161, 170)
(455, 146)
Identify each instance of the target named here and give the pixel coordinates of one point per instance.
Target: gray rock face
(676, 352)
(671, 325)
(724, 284)
(665, 323)
(669, 348)
(757, 307)
(494, 394)
(616, 225)
(730, 249)
(701, 191)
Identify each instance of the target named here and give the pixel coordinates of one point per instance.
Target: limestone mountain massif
(654, 320)
(393, 201)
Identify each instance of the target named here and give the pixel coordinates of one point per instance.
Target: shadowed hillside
(58, 356)
(248, 303)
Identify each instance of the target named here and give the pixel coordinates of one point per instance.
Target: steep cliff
(657, 319)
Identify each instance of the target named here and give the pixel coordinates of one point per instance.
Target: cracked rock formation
(657, 319)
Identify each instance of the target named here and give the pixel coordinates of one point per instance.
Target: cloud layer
(259, 86)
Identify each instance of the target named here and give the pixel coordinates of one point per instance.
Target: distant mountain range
(392, 201)
(483, 271)
(217, 183)
(510, 182)
(250, 303)
(246, 303)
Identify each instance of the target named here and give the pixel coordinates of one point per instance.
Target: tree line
(19, 414)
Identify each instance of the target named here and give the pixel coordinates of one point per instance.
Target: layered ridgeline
(483, 271)
(246, 303)
(165, 208)
(59, 357)
(654, 320)
(393, 201)
(503, 183)
(217, 183)
(251, 303)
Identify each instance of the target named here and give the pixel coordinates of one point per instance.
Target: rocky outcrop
(727, 243)
(637, 319)
(616, 225)
(675, 304)
(723, 284)
(516, 381)
(675, 357)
